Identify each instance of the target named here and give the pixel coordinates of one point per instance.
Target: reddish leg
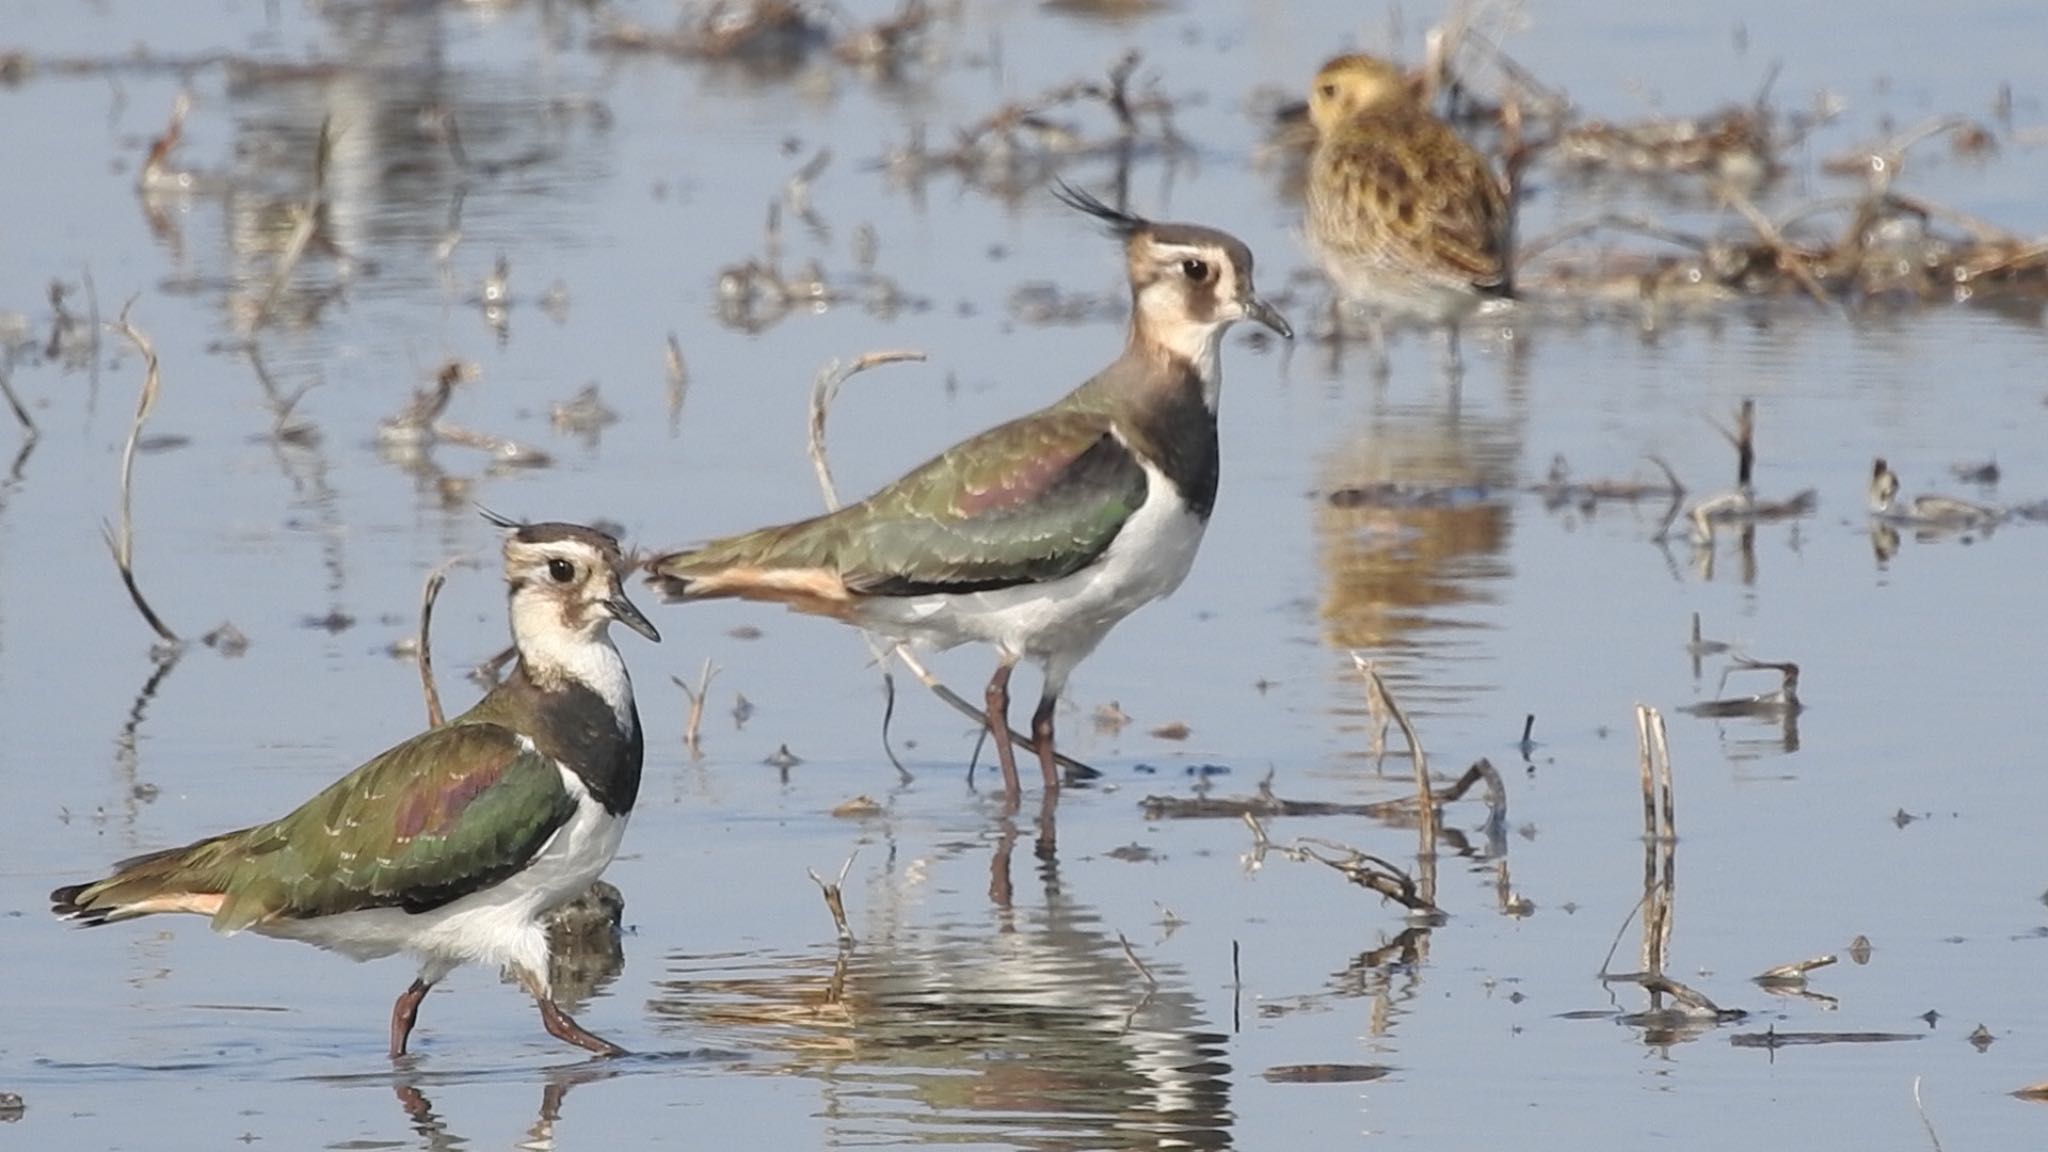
(404, 1014)
(1041, 736)
(561, 1027)
(998, 702)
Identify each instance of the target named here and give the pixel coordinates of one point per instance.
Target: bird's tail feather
(789, 562)
(187, 879)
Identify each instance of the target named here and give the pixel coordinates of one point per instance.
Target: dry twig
(123, 544)
(835, 901)
(424, 654)
(1372, 873)
(694, 726)
(1425, 801)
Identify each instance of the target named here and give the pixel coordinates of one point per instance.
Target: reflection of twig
(307, 218)
(1932, 1136)
(127, 750)
(1131, 954)
(678, 383)
(21, 416)
(123, 545)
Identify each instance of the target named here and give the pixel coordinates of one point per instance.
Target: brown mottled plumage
(1406, 216)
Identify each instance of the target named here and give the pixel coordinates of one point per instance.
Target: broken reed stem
(1664, 773)
(693, 728)
(835, 900)
(123, 544)
(1660, 813)
(1648, 771)
(424, 650)
(1660, 839)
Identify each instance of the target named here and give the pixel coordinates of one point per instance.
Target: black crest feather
(1122, 225)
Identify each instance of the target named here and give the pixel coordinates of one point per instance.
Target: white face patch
(561, 628)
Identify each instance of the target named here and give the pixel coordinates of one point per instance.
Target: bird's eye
(561, 571)
(1329, 91)
(1196, 270)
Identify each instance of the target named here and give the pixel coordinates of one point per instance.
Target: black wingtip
(1121, 224)
(64, 904)
(672, 589)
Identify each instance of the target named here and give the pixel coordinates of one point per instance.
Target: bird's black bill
(623, 611)
(1270, 316)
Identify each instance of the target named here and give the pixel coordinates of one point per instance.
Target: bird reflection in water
(1412, 534)
(1034, 1030)
(436, 1136)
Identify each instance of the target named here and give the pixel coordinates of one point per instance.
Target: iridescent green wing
(450, 812)
(1028, 501)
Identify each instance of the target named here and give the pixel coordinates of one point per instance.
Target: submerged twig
(123, 544)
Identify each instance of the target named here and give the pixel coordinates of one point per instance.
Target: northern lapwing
(1407, 218)
(1038, 535)
(453, 845)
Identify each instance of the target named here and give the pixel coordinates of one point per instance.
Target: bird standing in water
(1039, 535)
(1408, 219)
(453, 845)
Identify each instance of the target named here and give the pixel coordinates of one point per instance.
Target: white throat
(1200, 345)
(553, 653)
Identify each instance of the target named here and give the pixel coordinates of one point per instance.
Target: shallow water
(990, 999)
